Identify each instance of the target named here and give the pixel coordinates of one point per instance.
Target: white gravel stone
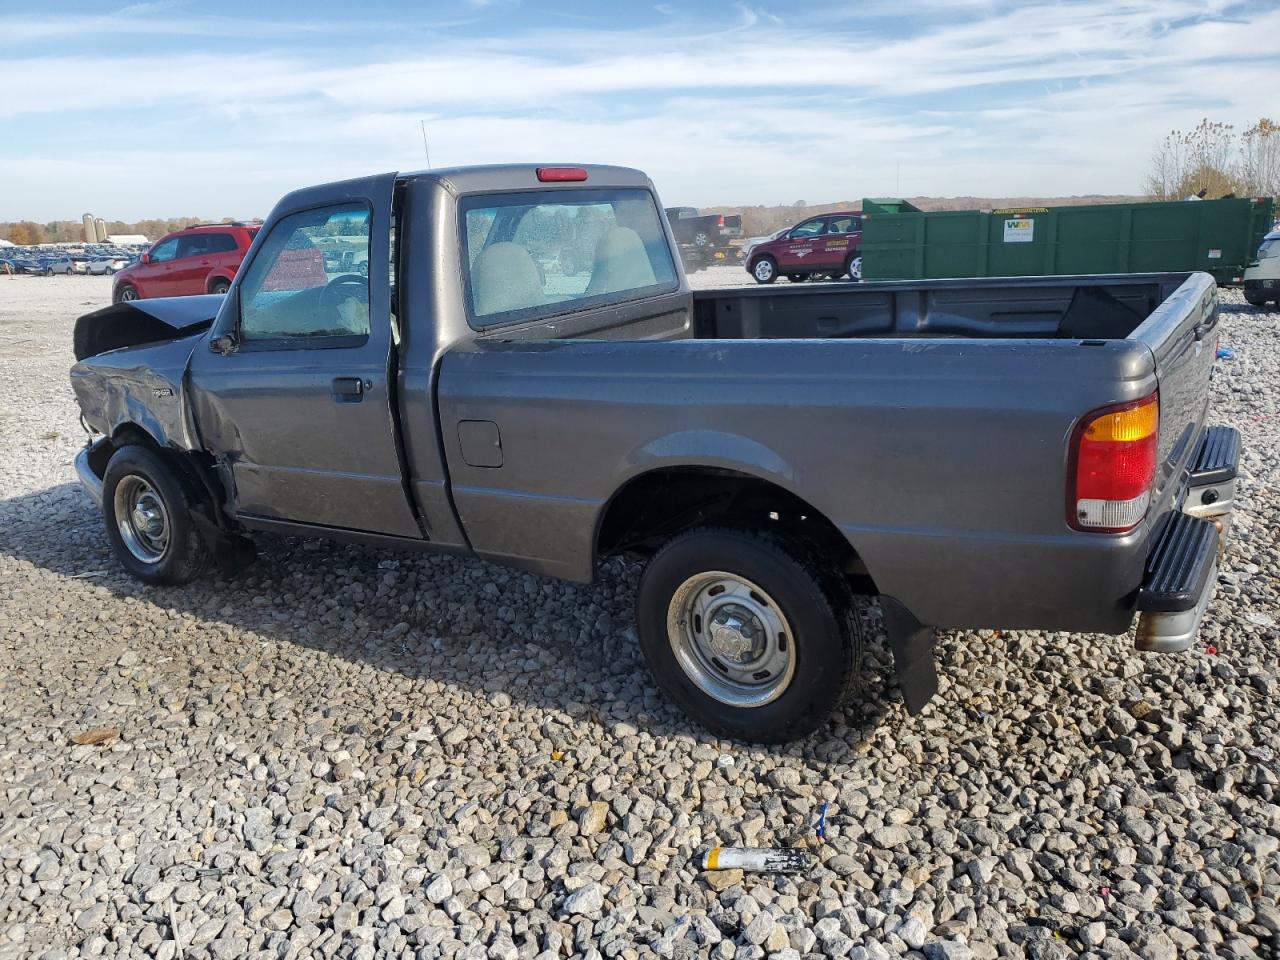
(341, 735)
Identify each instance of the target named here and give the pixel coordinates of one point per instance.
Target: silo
(90, 228)
(100, 228)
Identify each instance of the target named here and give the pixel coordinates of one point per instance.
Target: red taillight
(720, 220)
(561, 174)
(1113, 455)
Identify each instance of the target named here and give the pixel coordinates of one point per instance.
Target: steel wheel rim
(142, 519)
(731, 639)
(764, 270)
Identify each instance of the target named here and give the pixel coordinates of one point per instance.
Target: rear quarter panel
(943, 461)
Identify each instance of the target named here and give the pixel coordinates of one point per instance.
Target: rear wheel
(765, 270)
(743, 636)
(149, 518)
(220, 286)
(797, 277)
(125, 292)
(1254, 299)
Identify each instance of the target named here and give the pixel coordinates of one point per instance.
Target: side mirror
(145, 258)
(224, 344)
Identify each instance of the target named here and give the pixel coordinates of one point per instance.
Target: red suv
(820, 246)
(201, 259)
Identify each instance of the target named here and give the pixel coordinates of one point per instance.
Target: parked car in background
(703, 240)
(1262, 277)
(200, 259)
(107, 265)
(823, 246)
(59, 263)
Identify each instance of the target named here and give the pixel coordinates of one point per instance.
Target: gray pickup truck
(1025, 453)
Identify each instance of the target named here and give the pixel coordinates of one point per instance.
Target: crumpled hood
(133, 365)
(143, 321)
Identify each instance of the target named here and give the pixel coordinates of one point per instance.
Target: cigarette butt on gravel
(95, 738)
(757, 859)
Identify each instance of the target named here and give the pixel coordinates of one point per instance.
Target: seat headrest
(621, 263)
(504, 277)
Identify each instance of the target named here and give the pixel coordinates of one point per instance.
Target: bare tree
(1199, 162)
(1260, 159)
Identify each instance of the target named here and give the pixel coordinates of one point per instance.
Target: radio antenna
(425, 148)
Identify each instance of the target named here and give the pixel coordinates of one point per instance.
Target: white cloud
(991, 98)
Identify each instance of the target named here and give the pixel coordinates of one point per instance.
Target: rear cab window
(538, 254)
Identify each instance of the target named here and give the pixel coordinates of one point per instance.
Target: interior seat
(504, 277)
(621, 263)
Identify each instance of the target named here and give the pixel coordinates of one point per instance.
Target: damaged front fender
(133, 365)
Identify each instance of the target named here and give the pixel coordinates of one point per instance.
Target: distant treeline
(758, 221)
(72, 231)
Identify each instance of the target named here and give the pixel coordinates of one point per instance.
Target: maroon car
(825, 246)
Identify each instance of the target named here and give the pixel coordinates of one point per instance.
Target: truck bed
(928, 420)
(1052, 308)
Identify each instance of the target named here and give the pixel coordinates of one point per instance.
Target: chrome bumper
(91, 482)
(1183, 568)
(1174, 632)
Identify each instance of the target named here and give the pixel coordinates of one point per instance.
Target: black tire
(824, 634)
(220, 286)
(124, 292)
(1255, 301)
(797, 277)
(185, 554)
(701, 238)
(763, 273)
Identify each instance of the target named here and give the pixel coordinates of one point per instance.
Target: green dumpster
(1220, 237)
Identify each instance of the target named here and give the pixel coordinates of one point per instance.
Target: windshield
(1270, 248)
(530, 255)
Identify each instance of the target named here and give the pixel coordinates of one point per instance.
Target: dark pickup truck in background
(1029, 453)
(703, 240)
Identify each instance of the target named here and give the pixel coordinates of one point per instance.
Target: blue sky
(185, 107)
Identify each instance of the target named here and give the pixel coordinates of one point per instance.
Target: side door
(194, 261)
(836, 243)
(156, 279)
(796, 252)
(291, 390)
(224, 256)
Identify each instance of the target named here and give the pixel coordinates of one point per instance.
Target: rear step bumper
(1183, 566)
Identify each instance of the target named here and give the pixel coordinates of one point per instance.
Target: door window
(289, 294)
(193, 245)
(221, 242)
(843, 225)
(164, 251)
(810, 228)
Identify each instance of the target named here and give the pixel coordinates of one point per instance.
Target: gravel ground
(345, 752)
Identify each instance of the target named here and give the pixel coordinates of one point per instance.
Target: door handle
(348, 389)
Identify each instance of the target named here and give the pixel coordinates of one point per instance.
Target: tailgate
(1182, 334)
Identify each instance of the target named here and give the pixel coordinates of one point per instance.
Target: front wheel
(765, 270)
(125, 293)
(743, 637)
(148, 513)
(1255, 301)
